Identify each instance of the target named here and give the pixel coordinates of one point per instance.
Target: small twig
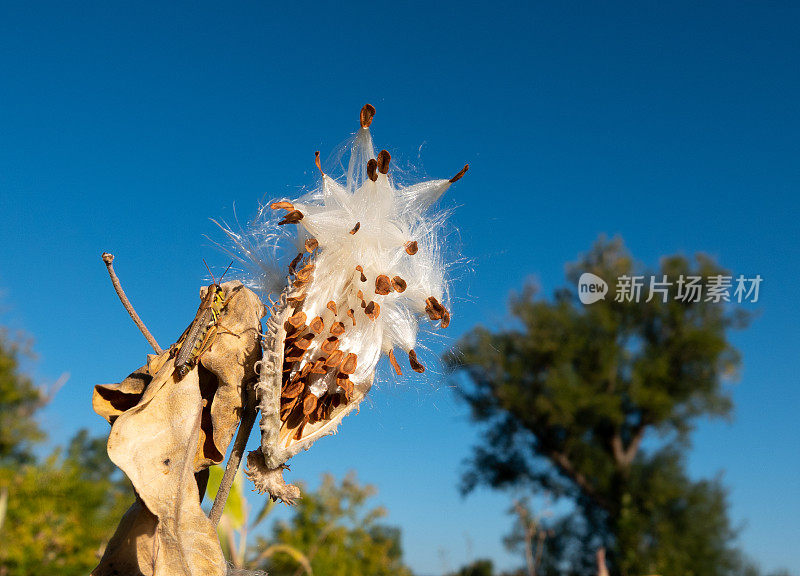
(248, 420)
(109, 259)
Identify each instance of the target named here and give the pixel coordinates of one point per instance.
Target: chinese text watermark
(684, 288)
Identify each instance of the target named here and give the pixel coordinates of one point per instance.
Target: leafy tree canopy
(568, 392)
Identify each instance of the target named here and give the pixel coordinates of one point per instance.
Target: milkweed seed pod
(368, 268)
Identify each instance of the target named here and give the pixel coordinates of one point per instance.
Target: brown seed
(293, 264)
(318, 163)
(306, 370)
(304, 274)
(434, 309)
(319, 413)
(317, 325)
(355, 228)
(349, 364)
(332, 307)
(296, 298)
(330, 344)
(311, 244)
(309, 403)
(282, 205)
(337, 329)
(319, 366)
(297, 319)
(372, 169)
(383, 285)
(445, 320)
(383, 161)
(304, 341)
(334, 359)
(360, 295)
(411, 248)
(292, 217)
(294, 387)
(294, 355)
(352, 314)
(458, 176)
(299, 434)
(399, 284)
(344, 382)
(372, 310)
(395, 365)
(361, 269)
(367, 114)
(415, 364)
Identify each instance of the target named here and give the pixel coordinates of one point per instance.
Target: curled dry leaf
(165, 429)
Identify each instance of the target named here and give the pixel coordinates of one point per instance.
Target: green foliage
(19, 400)
(60, 513)
(568, 392)
(339, 534)
(481, 567)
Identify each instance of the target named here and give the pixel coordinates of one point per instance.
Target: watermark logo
(685, 288)
(591, 288)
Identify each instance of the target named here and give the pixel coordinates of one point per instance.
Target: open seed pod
(369, 268)
(167, 428)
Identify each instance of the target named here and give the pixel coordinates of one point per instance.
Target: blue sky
(126, 126)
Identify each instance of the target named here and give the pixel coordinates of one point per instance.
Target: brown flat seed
(367, 114)
(311, 244)
(317, 324)
(383, 285)
(319, 366)
(338, 328)
(349, 364)
(282, 205)
(435, 310)
(334, 359)
(296, 298)
(305, 341)
(352, 314)
(458, 176)
(304, 274)
(445, 320)
(297, 319)
(383, 161)
(330, 344)
(372, 169)
(294, 355)
(293, 264)
(395, 365)
(318, 163)
(411, 248)
(372, 310)
(309, 403)
(306, 369)
(332, 307)
(361, 269)
(355, 228)
(292, 217)
(360, 295)
(293, 389)
(415, 364)
(399, 284)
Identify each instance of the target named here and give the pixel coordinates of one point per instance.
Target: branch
(248, 419)
(565, 465)
(109, 259)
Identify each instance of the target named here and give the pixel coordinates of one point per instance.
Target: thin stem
(109, 259)
(248, 419)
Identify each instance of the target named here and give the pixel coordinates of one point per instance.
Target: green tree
(20, 398)
(568, 393)
(55, 515)
(480, 567)
(338, 533)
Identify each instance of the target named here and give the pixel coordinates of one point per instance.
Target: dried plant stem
(248, 420)
(109, 260)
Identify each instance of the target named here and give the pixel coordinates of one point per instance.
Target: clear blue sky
(126, 126)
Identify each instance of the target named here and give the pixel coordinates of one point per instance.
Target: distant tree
(60, 511)
(480, 567)
(55, 515)
(568, 392)
(338, 533)
(20, 398)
